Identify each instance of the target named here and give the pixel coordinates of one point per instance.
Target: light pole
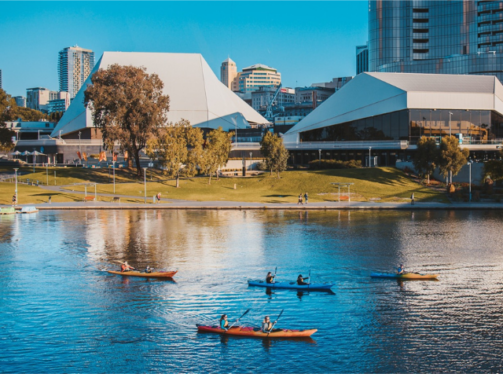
(15, 192)
(80, 150)
(38, 134)
(319, 156)
(34, 158)
(47, 172)
(370, 155)
(54, 177)
(113, 167)
(450, 114)
(470, 180)
(145, 183)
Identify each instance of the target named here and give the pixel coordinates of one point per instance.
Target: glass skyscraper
(442, 37)
(74, 66)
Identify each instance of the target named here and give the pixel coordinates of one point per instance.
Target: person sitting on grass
(300, 281)
(126, 267)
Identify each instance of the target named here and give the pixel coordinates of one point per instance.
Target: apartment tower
(74, 66)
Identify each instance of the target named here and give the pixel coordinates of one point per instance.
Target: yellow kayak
(404, 276)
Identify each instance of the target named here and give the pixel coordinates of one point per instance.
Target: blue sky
(306, 41)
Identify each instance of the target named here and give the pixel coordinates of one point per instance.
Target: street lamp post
(145, 183)
(470, 181)
(319, 156)
(54, 177)
(47, 173)
(450, 132)
(113, 167)
(80, 150)
(38, 134)
(370, 155)
(15, 192)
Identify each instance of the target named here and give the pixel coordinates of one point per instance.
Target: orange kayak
(135, 273)
(255, 332)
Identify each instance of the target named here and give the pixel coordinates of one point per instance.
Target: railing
(374, 144)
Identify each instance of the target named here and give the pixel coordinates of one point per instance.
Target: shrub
(334, 164)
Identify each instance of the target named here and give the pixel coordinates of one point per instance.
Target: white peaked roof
(371, 94)
(195, 93)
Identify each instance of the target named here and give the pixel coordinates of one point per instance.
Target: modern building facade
(38, 98)
(228, 74)
(438, 37)
(60, 104)
(195, 93)
(256, 76)
(362, 58)
(264, 95)
(336, 83)
(388, 113)
(20, 101)
(74, 66)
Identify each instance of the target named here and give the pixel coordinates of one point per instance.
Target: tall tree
(6, 107)
(128, 106)
(178, 148)
(275, 153)
(426, 157)
(216, 151)
(451, 158)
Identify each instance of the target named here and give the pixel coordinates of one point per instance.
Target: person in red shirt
(126, 267)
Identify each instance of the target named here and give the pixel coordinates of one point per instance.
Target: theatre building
(385, 114)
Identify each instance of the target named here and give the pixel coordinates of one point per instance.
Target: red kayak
(154, 274)
(255, 332)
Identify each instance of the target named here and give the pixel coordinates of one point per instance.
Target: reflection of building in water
(165, 238)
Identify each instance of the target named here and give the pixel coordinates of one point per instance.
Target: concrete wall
(462, 177)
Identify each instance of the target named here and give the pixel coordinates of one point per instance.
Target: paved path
(228, 205)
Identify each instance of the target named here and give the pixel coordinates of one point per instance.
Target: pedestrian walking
(300, 200)
(159, 197)
(305, 197)
(412, 199)
(14, 199)
(50, 199)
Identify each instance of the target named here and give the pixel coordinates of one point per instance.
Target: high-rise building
(362, 58)
(20, 101)
(228, 74)
(441, 37)
(74, 66)
(60, 104)
(336, 83)
(258, 75)
(38, 98)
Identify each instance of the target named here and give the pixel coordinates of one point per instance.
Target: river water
(60, 312)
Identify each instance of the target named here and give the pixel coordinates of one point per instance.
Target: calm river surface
(60, 312)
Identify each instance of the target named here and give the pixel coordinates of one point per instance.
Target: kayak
(292, 285)
(134, 273)
(404, 276)
(255, 332)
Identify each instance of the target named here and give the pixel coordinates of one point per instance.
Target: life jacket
(269, 279)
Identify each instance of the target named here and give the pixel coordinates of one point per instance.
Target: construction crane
(268, 113)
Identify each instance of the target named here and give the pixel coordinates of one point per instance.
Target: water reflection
(369, 325)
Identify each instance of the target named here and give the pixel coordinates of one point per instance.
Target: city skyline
(304, 49)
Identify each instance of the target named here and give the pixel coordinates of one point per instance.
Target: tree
(451, 158)
(275, 153)
(216, 151)
(128, 106)
(6, 106)
(178, 148)
(426, 157)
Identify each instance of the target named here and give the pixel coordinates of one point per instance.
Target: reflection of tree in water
(7, 227)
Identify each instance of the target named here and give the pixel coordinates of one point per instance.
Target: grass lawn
(385, 184)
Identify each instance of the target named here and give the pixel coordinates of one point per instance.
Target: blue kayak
(292, 285)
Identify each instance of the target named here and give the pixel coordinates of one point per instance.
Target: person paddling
(266, 324)
(126, 267)
(400, 270)
(269, 278)
(224, 323)
(300, 280)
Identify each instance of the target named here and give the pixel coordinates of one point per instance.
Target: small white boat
(29, 209)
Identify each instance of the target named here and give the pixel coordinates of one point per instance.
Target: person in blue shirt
(400, 269)
(224, 323)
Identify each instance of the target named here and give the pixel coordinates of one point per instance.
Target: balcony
(490, 6)
(416, 25)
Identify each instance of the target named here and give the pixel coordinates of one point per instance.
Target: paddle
(282, 310)
(236, 321)
(275, 271)
(309, 279)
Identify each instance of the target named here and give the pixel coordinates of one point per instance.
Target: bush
(262, 166)
(334, 164)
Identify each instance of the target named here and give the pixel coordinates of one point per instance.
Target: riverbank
(231, 205)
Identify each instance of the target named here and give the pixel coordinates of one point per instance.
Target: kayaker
(269, 278)
(126, 267)
(300, 280)
(266, 324)
(400, 269)
(224, 324)
(148, 269)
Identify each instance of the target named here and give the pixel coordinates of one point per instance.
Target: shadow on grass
(279, 195)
